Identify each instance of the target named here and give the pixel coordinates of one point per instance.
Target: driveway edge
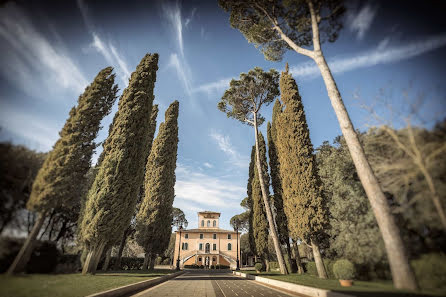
(134, 288)
(300, 289)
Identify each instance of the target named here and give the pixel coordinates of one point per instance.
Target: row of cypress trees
(300, 211)
(128, 156)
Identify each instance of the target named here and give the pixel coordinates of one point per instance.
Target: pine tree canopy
(113, 195)
(59, 181)
(247, 95)
(302, 197)
(265, 22)
(154, 219)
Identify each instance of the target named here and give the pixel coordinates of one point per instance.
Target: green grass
(359, 288)
(70, 285)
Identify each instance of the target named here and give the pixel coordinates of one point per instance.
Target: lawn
(70, 285)
(360, 288)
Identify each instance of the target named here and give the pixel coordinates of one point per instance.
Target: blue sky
(51, 50)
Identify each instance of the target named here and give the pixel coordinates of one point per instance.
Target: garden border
(305, 290)
(136, 287)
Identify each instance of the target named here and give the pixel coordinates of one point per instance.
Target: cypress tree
(251, 241)
(112, 198)
(59, 181)
(260, 222)
(303, 202)
(154, 219)
(131, 228)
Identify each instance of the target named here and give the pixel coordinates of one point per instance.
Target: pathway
(211, 283)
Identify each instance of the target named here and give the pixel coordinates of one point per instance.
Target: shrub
(430, 270)
(224, 267)
(68, 264)
(344, 269)
(158, 260)
(258, 266)
(273, 265)
(311, 268)
(195, 266)
(43, 258)
(328, 263)
(166, 261)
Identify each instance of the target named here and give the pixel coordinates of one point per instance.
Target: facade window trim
(229, 247)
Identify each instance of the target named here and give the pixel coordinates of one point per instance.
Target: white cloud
(360, 21)
(383, 54)
(190, 18)
(173, 15)
(39, 134)
(213, 87)
(224, 143)
(29, 61)
(196, 191)
(182, 71)
(208, 165)
(106, 49)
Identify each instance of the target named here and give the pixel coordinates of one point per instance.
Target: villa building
(207, 245)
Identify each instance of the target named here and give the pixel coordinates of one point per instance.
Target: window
(229, 246)
(199, 259)
(214, 224)
(229, 236)
(214, 259)
(209, 223)
(186, 236)
(200, 247)
(214, 236)
(201, 235)
(202, 223)
(214, 247)
(184, 246)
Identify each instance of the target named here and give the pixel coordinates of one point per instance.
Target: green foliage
(18, 169)
(247, 95)
(113, 195)
(430, 270)
(179, 218)
(328, 263)
(256, 20)
(58, 180)
(249, 200)
(258, 266)
(260, 222)
(302, 198)
(154, 219)
(311, 268)
(240, 221)
(276, 183)
(344, 269)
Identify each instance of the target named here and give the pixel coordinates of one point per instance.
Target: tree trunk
(93, 257)
(117, 265)
(300, 268)
(152, 262)
(145, 265)
(291, 265)
(266, 260)
(107, 259)
(322, 273)
(402, 274)
(25, 252)
(269, 215)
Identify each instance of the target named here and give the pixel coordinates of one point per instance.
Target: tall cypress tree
(251, 240)
(154, 219)
(58, 182)
(112, 198)
(131, 228)
(304, 206)
(259, 221)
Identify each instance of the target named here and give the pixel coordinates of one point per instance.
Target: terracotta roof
(206, 230)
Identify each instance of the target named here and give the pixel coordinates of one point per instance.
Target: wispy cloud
(198, 191)
(224, 143)
(191, 17)
(213, 87)
(208, 165)
(382, 54)
(35, 132)
(172, 13)
(29, 60)
(360, 20)
(106, 49)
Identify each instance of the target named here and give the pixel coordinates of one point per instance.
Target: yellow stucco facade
(208, 244)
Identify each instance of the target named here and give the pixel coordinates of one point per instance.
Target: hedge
(430, 271)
